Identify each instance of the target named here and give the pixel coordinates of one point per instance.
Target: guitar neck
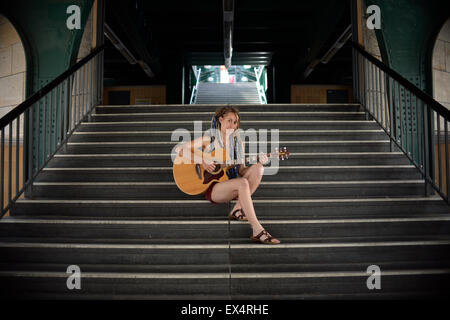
(251, 159)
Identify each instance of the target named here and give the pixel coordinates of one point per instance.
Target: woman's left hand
(263, 159)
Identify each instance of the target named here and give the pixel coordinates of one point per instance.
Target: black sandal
(233, 216)
(267, 240)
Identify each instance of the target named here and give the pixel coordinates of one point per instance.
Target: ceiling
(284, 34)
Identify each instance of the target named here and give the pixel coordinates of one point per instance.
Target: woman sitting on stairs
(226, 121)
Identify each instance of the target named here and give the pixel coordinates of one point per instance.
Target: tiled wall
(12, 67)
(441, 66)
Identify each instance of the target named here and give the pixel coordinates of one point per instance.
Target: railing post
(366, 86)
(17, 152)
(67, 106)
(101, 75)
(2, 167)
(426, 148)
(29, 146)
(25, 168)
(447, 165)
(91, 91)
(10, 143)
(355, 55)
(355, 76)
(391, 113)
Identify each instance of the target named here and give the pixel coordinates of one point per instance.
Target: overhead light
(337, 45)
(146, 68)
(119, 45)
(310, 68)
(125, 52)
(331, 52)
(228, 17)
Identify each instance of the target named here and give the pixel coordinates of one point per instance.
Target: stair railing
(261, 89)
(415, 122)
(195, 88)
(43, 123)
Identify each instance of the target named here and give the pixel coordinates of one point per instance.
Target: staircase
(227, 93)
(107, 203)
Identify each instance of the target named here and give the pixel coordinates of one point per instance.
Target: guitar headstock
(281, 154)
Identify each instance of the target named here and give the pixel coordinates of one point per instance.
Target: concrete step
(157, 284)
(282, 173)
(204, 125)
(201, 208)
(346, 285)
(127, 136)
(219, 231)
(289, 252)
(285, 189)
(206, 116)
(293, 146)
(240, 98)
(211, 108)
(233, 101)
(230, 268)
(341, 203)
(161, 160)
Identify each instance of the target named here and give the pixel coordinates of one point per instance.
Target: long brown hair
(222, 112)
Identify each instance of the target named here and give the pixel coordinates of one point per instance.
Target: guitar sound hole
(217, 168)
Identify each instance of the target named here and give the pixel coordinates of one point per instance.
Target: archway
(12, 67)
(12, 93)
(441, 93)
(441, 66)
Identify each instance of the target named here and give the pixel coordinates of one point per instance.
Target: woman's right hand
(208, 166)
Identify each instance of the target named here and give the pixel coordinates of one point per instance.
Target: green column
(406, 39)
(50, 47)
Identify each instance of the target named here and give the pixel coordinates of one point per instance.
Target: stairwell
(343, 202)
(227, 93)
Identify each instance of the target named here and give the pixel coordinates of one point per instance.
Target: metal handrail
(435, 105)
(46, 120)
(194, 90)
(261, 92)
(410, 117)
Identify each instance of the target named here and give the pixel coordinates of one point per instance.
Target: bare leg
(228, 190)
(254, 176)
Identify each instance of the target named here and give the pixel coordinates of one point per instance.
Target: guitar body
(192, 179)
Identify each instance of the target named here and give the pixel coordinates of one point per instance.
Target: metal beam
(331, 52)
(228, 17)
(121, 16)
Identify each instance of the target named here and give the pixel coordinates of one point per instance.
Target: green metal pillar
(50, 48)
(406, 39)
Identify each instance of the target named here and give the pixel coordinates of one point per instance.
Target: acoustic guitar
(192, 179)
